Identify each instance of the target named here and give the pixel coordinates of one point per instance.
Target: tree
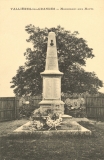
(72, 54)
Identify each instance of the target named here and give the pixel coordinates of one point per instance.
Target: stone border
(81, 131)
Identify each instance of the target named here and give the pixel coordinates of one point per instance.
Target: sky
(70, 14)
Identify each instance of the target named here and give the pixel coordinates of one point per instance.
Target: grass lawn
(31, 147)
(10, 126)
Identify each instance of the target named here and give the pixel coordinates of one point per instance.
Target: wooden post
(15, 108)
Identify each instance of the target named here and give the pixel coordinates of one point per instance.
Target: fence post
(86, 105)
(15, 108)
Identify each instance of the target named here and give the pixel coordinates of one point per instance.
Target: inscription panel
(51, 88)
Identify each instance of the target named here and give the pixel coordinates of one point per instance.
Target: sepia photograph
(51, 80)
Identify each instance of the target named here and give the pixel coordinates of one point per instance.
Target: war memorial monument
(51, 101)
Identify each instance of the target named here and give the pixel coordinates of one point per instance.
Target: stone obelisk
(51, 80)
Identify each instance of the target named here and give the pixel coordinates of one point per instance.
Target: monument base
(53, 106)
(67, 127)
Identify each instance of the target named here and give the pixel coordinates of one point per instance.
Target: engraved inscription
(56, 88)
(52, 88)
(47, 88)
(51, 52)
(52, 63)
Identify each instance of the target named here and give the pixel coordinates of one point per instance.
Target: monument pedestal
(51, 93)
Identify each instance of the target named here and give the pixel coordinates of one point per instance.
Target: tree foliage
(72, 54)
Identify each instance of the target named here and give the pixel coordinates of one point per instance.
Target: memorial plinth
(51, 80)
